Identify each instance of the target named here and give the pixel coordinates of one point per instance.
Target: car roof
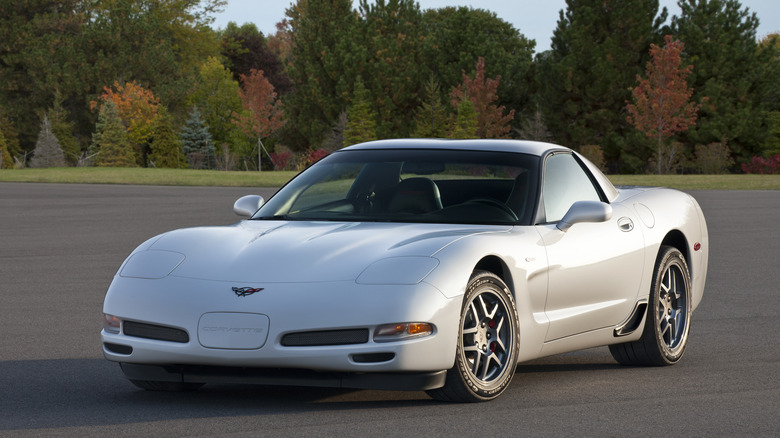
(517, 146)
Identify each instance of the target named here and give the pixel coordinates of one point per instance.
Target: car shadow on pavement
(57, 393)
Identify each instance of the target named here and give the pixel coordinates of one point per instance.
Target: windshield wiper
(278, 217)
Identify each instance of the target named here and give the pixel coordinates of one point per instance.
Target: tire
(488, 339)
(668, 319)
(154, 385)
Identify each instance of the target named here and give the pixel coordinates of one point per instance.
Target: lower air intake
(156, 332)
(325, 337)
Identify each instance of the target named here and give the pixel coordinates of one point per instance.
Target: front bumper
(420, 381)
(182, 303)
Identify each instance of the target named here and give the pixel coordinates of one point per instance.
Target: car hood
(276, 251)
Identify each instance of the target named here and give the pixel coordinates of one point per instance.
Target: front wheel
(668, 319)
(488, 337)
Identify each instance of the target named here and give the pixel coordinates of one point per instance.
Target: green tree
(10, 136)
(196, 142)
(137, 108)
(245, 49)
(159, 44)
(393, 71)
(361, 119)
(110, 142)
(455, 37)
(78, 47)
(720, 42)
(431, 119)
(63, 129)
(598, 49)
(39, 52)
(165, 147)
(217, 98)
(6, 160)
(325, 54)
(48, 152)
(770, 45)
(771, 95)
(464, 122)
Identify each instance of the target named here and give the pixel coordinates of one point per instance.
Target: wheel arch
(676, 239)
(497, 266)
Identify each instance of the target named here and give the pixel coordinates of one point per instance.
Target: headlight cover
(151, 264)
(398, 270)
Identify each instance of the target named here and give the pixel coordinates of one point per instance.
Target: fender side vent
(325, 337)
(631, 324)
(156, 332)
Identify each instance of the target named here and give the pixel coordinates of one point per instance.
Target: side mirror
(585, 211)
(248, 205)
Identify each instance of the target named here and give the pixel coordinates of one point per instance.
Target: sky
(535, 19)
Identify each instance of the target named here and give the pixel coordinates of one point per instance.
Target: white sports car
(430, 265)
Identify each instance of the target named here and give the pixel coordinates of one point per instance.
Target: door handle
(625, 224)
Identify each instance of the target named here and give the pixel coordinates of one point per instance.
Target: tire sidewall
(670, 257)
(480, 283)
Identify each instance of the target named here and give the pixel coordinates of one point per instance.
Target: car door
(594, 268)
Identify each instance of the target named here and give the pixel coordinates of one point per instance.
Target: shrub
(281, 159)
(315, 155)
(712, 159)
(763, 165)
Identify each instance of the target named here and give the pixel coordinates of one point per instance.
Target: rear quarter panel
(665, 216)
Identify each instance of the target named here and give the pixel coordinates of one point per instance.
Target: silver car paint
(307, 268)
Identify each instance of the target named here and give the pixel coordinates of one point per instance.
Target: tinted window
(407, 185)
(565, 182)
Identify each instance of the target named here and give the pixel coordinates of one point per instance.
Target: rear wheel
(668, 319)
(487, 343)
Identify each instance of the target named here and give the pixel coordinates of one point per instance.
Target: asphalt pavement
(60, 245)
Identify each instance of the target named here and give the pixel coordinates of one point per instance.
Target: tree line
(152, 83)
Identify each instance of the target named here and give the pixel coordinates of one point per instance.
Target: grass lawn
(186, 177)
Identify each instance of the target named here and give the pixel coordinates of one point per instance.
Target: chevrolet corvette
(433, 265)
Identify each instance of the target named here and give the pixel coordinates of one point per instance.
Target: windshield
(427, 186)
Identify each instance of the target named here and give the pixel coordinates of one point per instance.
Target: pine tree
(464, 124)
(456, 36)
(63, 129)
(720, 42)
(6, 160)
(166, 150)
(598, 49)
(48, 152)
(394, 71)
(217, 98)
(361, 119)
(431, 117)
(11, 136)
(326, 54)
(110, 142)
(196, 142)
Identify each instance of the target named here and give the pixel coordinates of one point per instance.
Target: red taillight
(696, 246)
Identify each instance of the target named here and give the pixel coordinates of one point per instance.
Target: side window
(565, 182)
